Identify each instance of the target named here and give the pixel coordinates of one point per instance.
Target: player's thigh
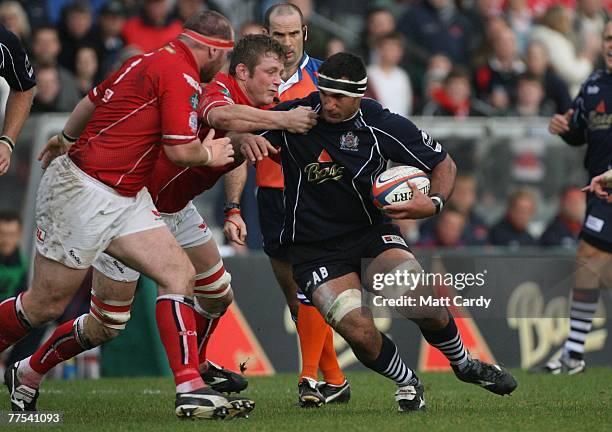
(157, 254)
(204, 256)
(53, 286)
(283, 272)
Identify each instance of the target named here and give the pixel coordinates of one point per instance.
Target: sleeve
(97, 93)
(179, 94)
(403, 142)
(216, 94)
(578, 122)
(15, 66)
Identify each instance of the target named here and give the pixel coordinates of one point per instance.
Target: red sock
(312, 330)
(12, 326)
(177, 330)
(205, 328)
(61, 346)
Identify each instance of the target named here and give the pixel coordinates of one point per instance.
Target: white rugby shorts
(186, 225)
(78, 216)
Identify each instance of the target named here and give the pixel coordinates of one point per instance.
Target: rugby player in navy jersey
(589, 121)
(331, 223)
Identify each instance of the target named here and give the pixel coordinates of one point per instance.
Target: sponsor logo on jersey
(193, 121)
(194, 100)
(429, 142)
(599, 119)
(193, 83)
(592, 89)
(108, 94)
(28, 66)
(320, 171)
(349, 141)
(393, 238)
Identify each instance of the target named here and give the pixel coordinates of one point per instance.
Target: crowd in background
(522, 58)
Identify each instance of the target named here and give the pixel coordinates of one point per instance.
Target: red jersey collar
(180, 46)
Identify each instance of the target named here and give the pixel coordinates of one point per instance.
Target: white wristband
(210, 156)
(8, 145)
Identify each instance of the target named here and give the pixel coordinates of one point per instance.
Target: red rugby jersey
(172, 187)
(151, 99)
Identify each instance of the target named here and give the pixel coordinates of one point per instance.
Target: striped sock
(583, 308)
(390, 364)
(448, 341)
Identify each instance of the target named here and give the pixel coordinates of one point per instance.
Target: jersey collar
(180, 45)
(296, 77)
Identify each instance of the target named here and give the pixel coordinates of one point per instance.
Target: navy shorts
(271, 220)
(597, 226)
(317, 263)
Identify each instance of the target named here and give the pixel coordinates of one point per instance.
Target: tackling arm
(243, 118)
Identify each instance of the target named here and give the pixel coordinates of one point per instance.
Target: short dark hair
(210, 23)
(9, 215)
(251, 48)
(282, 9)
(342, 65)
(458, 72)
(393, 36)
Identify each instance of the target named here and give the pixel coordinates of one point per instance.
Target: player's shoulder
(9, 39)
(597, 76)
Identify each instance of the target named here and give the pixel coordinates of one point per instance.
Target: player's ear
(305, 30)
(265, 31)
(242, 71)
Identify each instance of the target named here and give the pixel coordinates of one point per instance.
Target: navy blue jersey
(592, 122)
(329, 171)
(15, 66)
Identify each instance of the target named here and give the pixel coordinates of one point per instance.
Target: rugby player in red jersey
(255, 77)
(94, 199)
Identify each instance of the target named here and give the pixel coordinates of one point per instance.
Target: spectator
(379, 22)
(50, 97)
(153, 27)
(519, 19)
(435, 26)
(107, 36)
(45, 49)
(75, 30)
(448, 230)
(334, 46)
(496, 80)
(455, 100)
(463, 200)
(250, 27)
(555, 89)
(572, 67)
(13, 265)
(14, 18)
(530, 100)
(388, 83)
(316, 37)
(512, 230)
(86, 69)
(186, 8)
(565, 227)
(591, 17)
(438, 68)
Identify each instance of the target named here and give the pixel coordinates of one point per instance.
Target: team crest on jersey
(194, 100)
(108, 94)
(349, 141)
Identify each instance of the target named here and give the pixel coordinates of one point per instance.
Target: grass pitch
(540, 403)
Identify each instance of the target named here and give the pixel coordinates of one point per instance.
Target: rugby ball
(391, 186)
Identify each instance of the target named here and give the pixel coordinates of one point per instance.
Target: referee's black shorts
(271, 220)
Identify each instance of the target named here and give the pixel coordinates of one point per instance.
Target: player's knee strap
(213, 283)
(336, 309)
(404, 269)
(110, 313)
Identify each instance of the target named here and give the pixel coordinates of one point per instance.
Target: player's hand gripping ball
(391, 186)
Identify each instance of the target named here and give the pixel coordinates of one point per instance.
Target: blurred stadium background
(482, 76)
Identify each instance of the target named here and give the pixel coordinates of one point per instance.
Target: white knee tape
(110, 313)
(211, 316)
(337, 308)
(213, 283)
